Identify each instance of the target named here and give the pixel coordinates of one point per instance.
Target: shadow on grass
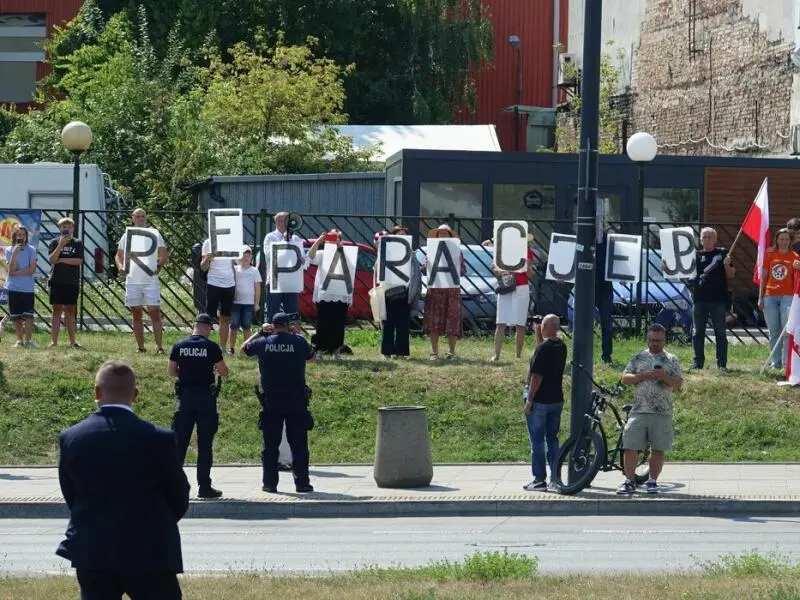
(3, 381)
(361, 363)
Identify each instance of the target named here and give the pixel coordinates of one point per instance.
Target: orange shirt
(779, 273)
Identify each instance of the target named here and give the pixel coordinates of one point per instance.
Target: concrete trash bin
(402, 448)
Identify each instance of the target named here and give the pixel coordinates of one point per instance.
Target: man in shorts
(655, 373)
(139, 295)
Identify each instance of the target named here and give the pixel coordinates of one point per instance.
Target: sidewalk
(467, 489)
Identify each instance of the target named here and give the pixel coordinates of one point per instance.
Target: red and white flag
(756, 227)
(793, 338)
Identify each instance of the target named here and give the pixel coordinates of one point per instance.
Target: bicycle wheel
(643, 468)
(580, 458)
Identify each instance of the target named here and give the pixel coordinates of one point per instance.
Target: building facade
(523, 72)
(24, 25)
(705, 77)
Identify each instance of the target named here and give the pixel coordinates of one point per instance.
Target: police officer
(282, 357)
(193, 361)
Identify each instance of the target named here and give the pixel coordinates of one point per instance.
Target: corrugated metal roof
(393, 138)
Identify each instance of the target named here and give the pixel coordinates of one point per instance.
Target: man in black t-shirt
(282, 357)
(65, 253)
(545, 399)
(193, 361)
(710, 294)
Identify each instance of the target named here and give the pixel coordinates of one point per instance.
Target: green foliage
(415, 59)
(752, 564)
(480, 566)
(566, 140)
(161, 119)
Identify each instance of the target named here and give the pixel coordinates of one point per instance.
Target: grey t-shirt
(653, 396)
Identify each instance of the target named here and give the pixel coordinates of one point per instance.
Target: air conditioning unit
(567, 69)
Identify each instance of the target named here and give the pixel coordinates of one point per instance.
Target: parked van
(48, 186)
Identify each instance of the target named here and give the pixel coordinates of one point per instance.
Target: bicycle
(585, 455)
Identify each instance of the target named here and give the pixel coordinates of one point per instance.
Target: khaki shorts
(647, 430)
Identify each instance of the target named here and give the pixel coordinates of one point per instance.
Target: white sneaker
(19, 344)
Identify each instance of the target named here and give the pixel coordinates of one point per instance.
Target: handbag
(506, 283)
(377, 302)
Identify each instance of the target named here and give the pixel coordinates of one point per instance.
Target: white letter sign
(561, 263)
(141, 254)
(623, 258)
(511, 246)
(394, 260)
(286, 267)
(678, 252)
(443, 263)
(337, 272)
(226, 232)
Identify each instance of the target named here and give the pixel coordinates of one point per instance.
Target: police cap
(204, 319)
(281, 318)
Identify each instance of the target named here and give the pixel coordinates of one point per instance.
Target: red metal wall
(58, 12)
(532, 21)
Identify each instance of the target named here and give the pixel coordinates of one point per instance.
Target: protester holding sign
(280, 301)
(142, 291)
(513, 294)
(443, 298)
(775, 292)
(221, 289)
(710, 293)
(21, 260)
(604, 299)
(66, 256)
(398, 270)
(333, 290)
(247, 299)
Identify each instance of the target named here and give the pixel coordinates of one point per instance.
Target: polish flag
(793, 337)
(756, 227)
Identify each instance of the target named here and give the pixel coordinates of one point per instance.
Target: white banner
(286, 267)
(444, 263)
(623, 258)
(141, 254)
(561, 259)
(226, 232)
(678, 253)
(511, 246)
(337, 273)
(394, 260)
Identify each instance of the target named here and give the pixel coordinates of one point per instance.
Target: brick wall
(736, 91)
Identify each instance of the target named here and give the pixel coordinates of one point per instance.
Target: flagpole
(775, 347)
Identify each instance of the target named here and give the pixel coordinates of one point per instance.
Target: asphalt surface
(580, 544)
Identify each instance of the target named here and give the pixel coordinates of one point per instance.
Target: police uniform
(282, 358)
(197, 403)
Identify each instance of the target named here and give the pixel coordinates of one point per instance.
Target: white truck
(48, 186)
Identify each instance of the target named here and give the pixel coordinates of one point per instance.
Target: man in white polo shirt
(139, 295)
(220, 289)
(288, 303)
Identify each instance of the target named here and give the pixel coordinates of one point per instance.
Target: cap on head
(281, 318)
(204, 319)
(247, 248)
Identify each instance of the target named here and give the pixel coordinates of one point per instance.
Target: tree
(415, 59)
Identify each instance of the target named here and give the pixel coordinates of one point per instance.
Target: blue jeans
(289, 303)
(716, 312)
(543, 425)
(776, 313)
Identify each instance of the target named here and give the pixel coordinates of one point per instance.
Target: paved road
(575, 544)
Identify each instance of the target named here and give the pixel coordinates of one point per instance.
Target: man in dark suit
(126, 492)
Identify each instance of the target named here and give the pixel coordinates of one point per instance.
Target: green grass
(753, 564)
(474, 407)
(480, 566)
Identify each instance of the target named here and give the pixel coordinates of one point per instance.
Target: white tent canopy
(393, 138)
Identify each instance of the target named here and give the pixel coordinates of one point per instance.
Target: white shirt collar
(125, 406)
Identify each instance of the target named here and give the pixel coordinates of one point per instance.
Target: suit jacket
(126, 492)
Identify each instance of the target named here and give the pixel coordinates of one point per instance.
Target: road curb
(244, 509)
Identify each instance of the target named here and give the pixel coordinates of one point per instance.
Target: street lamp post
(641, 149)
(516, 44)
(77, 138)
(588, 171)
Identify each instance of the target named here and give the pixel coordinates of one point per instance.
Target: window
(672, 205)
(463, 200)
(21, 36)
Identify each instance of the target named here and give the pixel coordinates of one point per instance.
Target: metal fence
(101, 304)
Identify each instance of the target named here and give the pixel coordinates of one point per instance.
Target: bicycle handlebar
(613, 393)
